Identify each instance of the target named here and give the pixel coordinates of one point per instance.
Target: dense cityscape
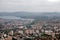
(29, 19)
(29, 29)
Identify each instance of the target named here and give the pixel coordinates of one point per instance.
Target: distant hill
(34, 15)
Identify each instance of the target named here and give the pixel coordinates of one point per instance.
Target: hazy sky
(30, 5)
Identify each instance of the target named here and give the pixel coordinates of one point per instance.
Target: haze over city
(29, 19)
